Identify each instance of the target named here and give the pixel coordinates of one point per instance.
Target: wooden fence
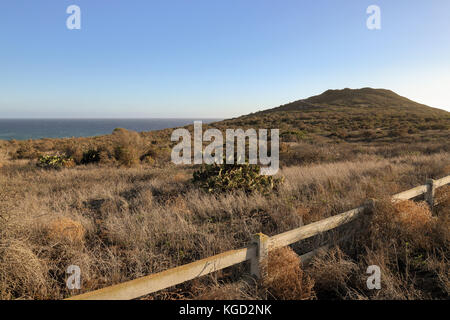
(257, 252)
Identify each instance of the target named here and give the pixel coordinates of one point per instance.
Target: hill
(360, 98)
(353, 115)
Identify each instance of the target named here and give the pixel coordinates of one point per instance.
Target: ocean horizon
(25, 129)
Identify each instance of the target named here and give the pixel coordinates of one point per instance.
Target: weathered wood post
(431, 190)
(259, 264)
(369, 206)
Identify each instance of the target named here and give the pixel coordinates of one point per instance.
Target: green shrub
(91, 156)
(217, 178)
(55, 162)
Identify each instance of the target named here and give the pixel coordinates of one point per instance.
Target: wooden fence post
(259, 264)
(369, 205)
(431, 190)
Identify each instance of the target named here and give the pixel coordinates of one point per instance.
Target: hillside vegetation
(119, 209)
(362, 115)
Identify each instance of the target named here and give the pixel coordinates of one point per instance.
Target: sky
(211, 58)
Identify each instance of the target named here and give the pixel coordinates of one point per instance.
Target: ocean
(24, 129)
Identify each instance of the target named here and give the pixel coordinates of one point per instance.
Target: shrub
(2, 158)
(148, 160)
(150, 156)
(413, 217)
(293, 136)
(442, 197)
(22, 274)
(26, 151)
(126, 155)
(286, 279)
(369, 134)
(341, 133)
(217, 178)
(331, 271)
(74, 151)
(106, 157)
(398, 132)
(55, 162)
(66, 230)
(127, 146)
(405, 223)
(91, 156)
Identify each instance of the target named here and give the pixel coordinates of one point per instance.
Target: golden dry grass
(66, 230)
(331, 271)
(442, 197)
(286, 279)
(121, 223)
(409, 245)
(413, 217)
(22, 273)
(239, 290)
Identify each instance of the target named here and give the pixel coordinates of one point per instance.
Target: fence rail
(257, 252)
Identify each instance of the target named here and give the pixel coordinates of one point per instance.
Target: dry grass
(413, 217)
(442, 197)
(286, 279)
(409, 245)
(407, 221)
(331, 271)
(239, 290)
(22, 273)
(132, 213)
(66, 230)
(121, 223)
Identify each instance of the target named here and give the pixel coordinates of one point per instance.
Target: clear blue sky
(210, 58)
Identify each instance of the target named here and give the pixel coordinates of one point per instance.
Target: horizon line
(111, 118)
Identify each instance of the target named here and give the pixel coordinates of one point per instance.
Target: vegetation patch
(286, 279)
(65, 230)
(55, 162)
(217, 178)
(91, 156)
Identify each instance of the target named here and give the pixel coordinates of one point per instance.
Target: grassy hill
(360, 98)
(352, 115)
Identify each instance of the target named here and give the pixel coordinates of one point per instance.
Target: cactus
(216, 178)
(55, 162)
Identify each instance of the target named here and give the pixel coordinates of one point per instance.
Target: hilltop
(360, 98)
